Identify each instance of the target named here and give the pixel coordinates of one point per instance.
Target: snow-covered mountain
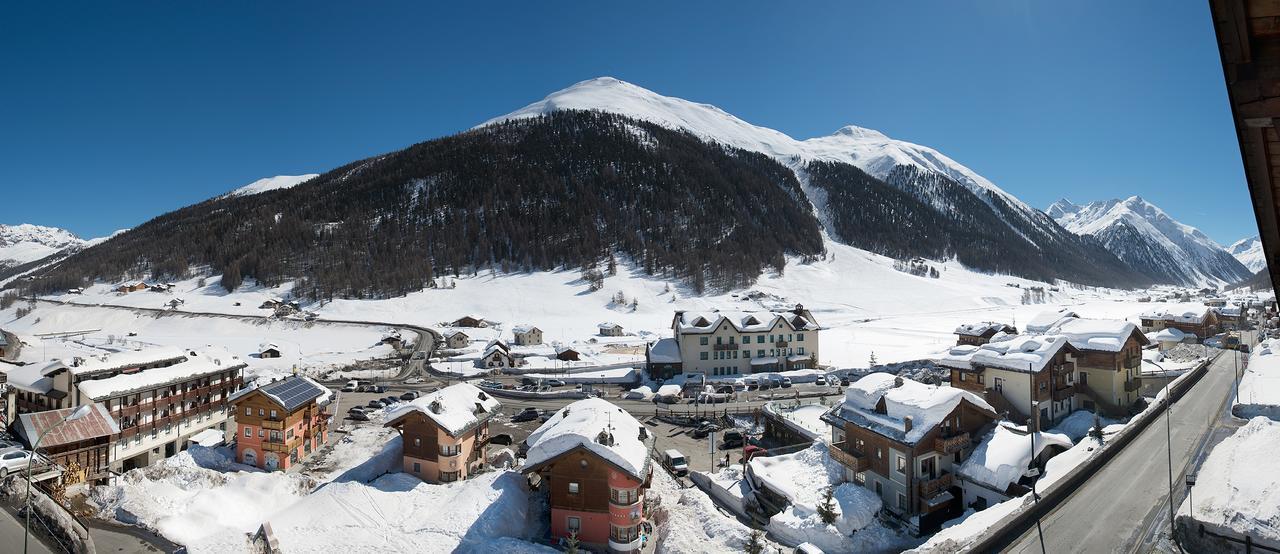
(1249, 252)
(1151, 242)
(272, 183)
(24, 243)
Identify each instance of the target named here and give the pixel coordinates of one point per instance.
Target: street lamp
(77, 414)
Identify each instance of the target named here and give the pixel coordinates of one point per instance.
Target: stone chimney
(906, 424)
(897, 382)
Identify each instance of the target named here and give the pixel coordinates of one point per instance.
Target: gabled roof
(926, 405)
(35, 377)
(665, 351)
(496, 346)
(192, 364)
(1184, 313)
(522, 329)
(609, 325)
(984, 329)
(456, 409)
(289, 393)
(455, 332)
(1045, 321)
(1022, 353)
(1099, 335)
(96, 424)
(743, 322)
(597, 426)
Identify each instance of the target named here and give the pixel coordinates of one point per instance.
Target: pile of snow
(803, 479)
(1105, 335)
(1048, 319)
(1237, 490)
(399, 513)
(642, 392)
(1005, 454)
(1260, 384)
(689, 521)
(617, 375)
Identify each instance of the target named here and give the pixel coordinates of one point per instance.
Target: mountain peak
(272, 183)
(861, 133)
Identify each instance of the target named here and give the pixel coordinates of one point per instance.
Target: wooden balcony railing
(780, 344)
(931, 487)
(849, 458)
(1133, 384)
(1063, 393)
(948, 444)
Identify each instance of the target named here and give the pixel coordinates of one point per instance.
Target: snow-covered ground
(1237, 490)
(807, 416)
(312, 347)
(1260, 384)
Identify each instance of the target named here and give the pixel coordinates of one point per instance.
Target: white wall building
(728, 343)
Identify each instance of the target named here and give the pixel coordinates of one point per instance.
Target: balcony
(931, 487)
(849, 458)
(780, 344)
(1132, 384)
(1063, 393)
(729, 346)
(948, 444)
(276, 424)
(630, 546)
(455, 453)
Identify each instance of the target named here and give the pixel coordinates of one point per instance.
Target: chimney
(897, 382)
(906, 424)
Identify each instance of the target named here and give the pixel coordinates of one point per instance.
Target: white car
(13, 460)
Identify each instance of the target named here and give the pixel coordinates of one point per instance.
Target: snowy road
(1112, 511)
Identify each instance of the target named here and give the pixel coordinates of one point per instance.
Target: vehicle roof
(673, 453)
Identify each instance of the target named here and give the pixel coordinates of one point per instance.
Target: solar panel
(293, 391)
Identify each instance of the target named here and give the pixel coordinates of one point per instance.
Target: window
(417, 467)
(417, 441)
(573, 488)
(901, 465)
(719, 340)
(248, 411)
(801, 351)
(800, 336)
(702, 355)
(261, 412)
(746, 354)
(902, 501)
(860, 477)
(623, 534)
(962, 376)
(248, 432)
(448, 476)
(450, 449)
(771, 338)
(759, 339)
(574, 524)
(760, 353)
(879, 490)
(702, 341)
(624, 497)
(273, 414)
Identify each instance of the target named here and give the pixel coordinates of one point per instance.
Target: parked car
(378, 388)
(675, 462)
(732, 439)
(808, 548)
(376, 404)
(358, 416)
(409, 395)
(389, 400)
(528, 381)
(527, 414)
(356, 409)
(364, 388)
(704, 429)
(844, 381)
(413, 380)
(350, 386)
(786, 382)
(821, 380)
(7, 444)
(554, 383)
(419, 355)
(546, 414)
(13, 460)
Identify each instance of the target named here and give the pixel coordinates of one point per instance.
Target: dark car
(844, 381)
(409, 396)
(732, 439)
(705, 429)
(356, 409)
(389, 400)
(376, 404)
(527, 414)
(378, 388)
(358, 416)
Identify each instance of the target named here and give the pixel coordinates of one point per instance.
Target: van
(808, 548)
(675, 461)
(351, 386)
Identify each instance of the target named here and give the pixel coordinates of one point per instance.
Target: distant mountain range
(1151, 242)
(605, 168)
(1249, 252)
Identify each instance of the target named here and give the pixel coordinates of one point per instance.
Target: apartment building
(904, 439)
(281, 422)
(593, 461)
(445, 433)
(737, 343)
(159, 397)
(1108, 361)
(1021, 375)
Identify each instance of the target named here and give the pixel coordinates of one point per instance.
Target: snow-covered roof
(522, 329)
(766, 360)
(35, 377)
(208, 438)
(1005, 454)
(456, 408)
(290, 392)
(1024, 353)
(196, 364)
(609, 325)
(985, 328)
(926, 405)
(743, 322)
(602, 428)
(128, 359)
(496, 346)
(453, 333)
(1184, 313)
(1169, 334)
(1043, 322)
(1230, 311)
(268, 346)
(1106, 335)
(665, 351)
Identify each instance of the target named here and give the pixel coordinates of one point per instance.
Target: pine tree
(873, 360)
(1096, 430)
(571, 543)
(755, 544)
(827, 509)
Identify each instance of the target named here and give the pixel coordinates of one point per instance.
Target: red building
(281, 422)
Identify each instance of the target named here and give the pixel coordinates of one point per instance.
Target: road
(1113, 510)
(11, 534)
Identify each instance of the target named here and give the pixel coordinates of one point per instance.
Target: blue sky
(114, 114)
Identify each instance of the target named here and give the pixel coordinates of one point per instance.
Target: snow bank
(803, 478)
(690, 523)
(1260, 384)
(1237, 489)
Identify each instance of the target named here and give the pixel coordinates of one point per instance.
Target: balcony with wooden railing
(281, 444)
(948, 443)
(780, 344)
(931, 487)
(1132, 384)
(268, 423)
(852, 459)
(730, 346)
(1064, 392)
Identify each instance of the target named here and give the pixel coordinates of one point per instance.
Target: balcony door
(929, 468)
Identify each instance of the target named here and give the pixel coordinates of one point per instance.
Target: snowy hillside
(272, 183)
(24, 243)
(1249, 252)
(866, 149)
(1151, 242)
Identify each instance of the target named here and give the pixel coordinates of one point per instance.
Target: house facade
(469, 321)
(82, 447)
(662, 359)
(456, 339)
(731, 343)
(1021, 376)
(159, 397)
(1108, 359)
(445, 433)
(978, 334)
(609, 329)
(280, 423)
(497, 355)
(527, 335)
(592, 460)
(1201, 321)
(903, 440)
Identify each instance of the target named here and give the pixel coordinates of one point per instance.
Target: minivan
(675, 461)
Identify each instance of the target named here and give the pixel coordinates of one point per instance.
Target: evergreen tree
(1096, 430)
(827, 509)
(755, 543)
